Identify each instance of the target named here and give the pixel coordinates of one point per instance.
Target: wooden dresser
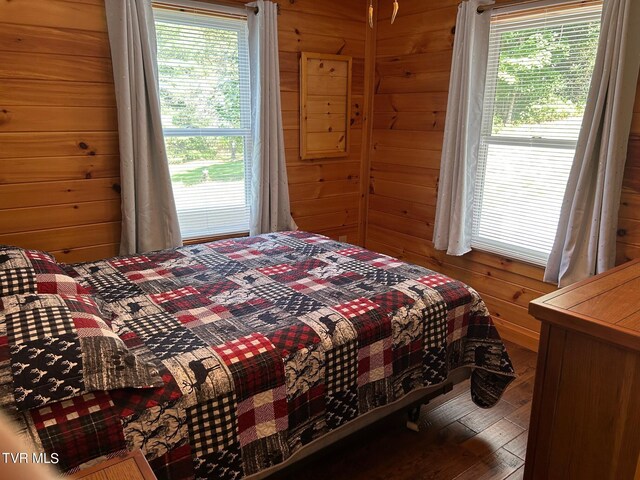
(585, 419)
(129, 466)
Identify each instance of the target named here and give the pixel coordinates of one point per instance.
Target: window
(539, 72)
(205, 101)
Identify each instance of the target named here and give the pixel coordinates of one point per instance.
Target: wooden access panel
(325, 105)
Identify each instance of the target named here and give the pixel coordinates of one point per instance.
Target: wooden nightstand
(132, 466)
(586, 403)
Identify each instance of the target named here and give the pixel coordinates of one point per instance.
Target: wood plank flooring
(457, 441)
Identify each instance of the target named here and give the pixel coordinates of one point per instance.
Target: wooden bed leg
(413, 418)
(413, 413)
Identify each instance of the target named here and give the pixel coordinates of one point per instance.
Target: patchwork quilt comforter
(265, 344)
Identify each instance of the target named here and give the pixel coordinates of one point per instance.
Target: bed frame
(410, 402)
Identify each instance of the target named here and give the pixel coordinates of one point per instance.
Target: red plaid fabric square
(140, 276)
(82, 303)
(407, 356)
(134, 400)
(374, 325)
(392, 300)
(88, 325)
(276, 269)
(131, 339)
(309, 264)
(257, 374)
(53, 283)
(386, 262)
(130, 264)
(80, 429)
(38, 255)
(175, 463)
(306, 406)
(160, 298)
(455, 294)
(457, 322)
(244, 348)
(311, 239)
(375, 361)
(348, 252)
(365, 255)
(263, 415)
(185, 298)
(203, 315)
(5, 353)
(290, 276)
(216, 288)
(308, 284)
(246, 254)
(293, 338)
(46, 266)
(61, 412)
(355, 308)
(434, 280)
(224, 245)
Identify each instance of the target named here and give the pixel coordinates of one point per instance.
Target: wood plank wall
(59, 160)
(413, 61)
(59, 170)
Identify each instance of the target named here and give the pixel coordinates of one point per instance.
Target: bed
(268, 348)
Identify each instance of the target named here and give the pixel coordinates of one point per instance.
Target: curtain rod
(205, 8)
(518, 3)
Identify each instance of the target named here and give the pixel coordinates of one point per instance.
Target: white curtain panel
(270, 208)
(585, 242)
(149, 217)
(454, 211)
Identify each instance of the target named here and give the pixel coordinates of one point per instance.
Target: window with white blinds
(539, 71)
(205, 99)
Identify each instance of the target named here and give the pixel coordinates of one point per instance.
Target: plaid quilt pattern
(32, 271)
(60, 346)
(265, 344)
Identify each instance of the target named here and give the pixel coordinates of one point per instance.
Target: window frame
(504, 249)
(203, 16)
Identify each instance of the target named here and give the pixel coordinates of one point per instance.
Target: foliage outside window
(205, 98)
(539, 72)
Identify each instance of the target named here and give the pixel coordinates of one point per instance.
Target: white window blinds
(203, 65)
(538, 77)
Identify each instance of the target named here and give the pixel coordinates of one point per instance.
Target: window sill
(194, 241)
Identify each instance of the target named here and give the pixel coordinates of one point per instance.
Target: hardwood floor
(457, 440)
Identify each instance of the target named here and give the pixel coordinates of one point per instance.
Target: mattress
(266, 344)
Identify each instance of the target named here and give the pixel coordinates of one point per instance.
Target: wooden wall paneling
(21, 195)
(66, 41)
(66, 215)
(43, 169)
(61, 238)
(87, 254)
(57, 144)
(43, 66)
(71, 14)
(57, 119)
(59, 164)
(56, 93)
